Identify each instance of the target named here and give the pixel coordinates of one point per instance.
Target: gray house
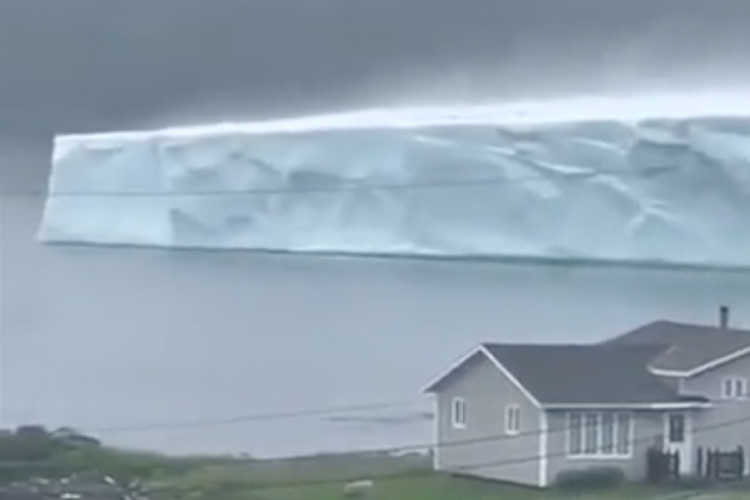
(523, 413)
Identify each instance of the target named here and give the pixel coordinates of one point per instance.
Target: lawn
(323, 478)
(33, 453)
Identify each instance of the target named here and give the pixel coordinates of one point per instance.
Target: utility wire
(329, 411)
(253, 417)
(352, 187)
(318, 412)
(480, 465)
(416, 447)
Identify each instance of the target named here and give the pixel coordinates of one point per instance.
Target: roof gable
(464, 362)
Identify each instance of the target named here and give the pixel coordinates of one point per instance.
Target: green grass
(320, 477)
(34, 454)
(323, 478)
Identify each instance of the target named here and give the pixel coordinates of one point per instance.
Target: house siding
(482, 448)
(648, 427)
(727, 424)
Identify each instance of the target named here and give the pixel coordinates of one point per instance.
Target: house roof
(585, 374)
(686, 349)
(577, 375)
(626, 370)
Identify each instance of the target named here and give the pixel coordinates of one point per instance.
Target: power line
(380, 450)
(440, 184)
(482, 465)
(252, 417)
(314, 412)
(270, 416)
(295, 414)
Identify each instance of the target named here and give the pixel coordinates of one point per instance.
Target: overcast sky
(88, 64)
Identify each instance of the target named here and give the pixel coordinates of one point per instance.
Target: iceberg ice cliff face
(646, 179)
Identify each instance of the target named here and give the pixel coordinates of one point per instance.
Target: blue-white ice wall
(673, 190)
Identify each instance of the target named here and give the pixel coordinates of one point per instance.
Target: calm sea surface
(139, 344)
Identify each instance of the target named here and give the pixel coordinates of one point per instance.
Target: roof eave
(667, 405)
(668, 373)
(714, 363)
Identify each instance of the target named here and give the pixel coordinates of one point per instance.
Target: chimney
(724, 317)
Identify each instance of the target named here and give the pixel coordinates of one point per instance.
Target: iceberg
(661, 179)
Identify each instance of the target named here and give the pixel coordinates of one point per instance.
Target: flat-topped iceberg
(633, 179)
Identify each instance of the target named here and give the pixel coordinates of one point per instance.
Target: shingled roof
(685, 348)
(624, 370)
(585, 374)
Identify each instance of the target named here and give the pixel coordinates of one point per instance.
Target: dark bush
(29, 443)
(592, 478)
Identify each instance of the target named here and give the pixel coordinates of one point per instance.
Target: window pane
(459, 412)
(574, 434)
(677, 428)
(591, 434)
(513, 419)
(608, 433)
(739, 388)
(727, 389)
(624, 434)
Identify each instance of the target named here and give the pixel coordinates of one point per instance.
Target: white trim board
(704, 367)
(436, 434)
(543, 468)
(627, 406)
(481, 349)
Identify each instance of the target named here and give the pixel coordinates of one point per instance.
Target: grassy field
(323, 478)
(34, 453)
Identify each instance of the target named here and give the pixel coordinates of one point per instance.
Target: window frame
(458, 408)
(512, 416)
(743, 393)
(613, 429)
(623, 428)
(734, 382)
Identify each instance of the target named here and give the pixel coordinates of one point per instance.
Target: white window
(575, 438)
(624, 439)
(608, 434)
(458, 413)
(591, 426)
(734, 388)
(512, 419)
(595, 434)
(681, 385)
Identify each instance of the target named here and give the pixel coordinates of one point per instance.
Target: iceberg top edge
(530, 113)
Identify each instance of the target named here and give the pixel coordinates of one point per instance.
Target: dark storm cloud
(88, 64)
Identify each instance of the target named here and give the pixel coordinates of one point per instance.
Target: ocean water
(158, 349)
